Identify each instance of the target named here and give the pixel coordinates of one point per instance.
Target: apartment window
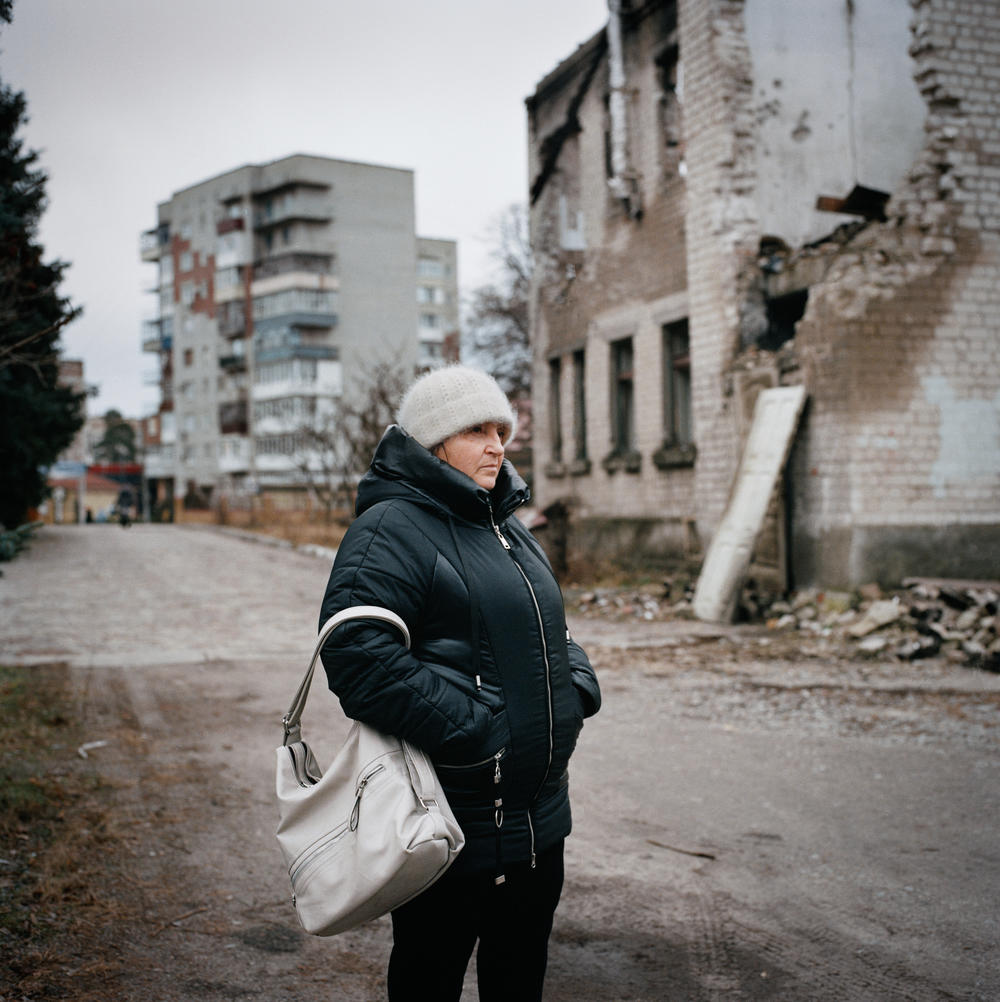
(581, 464)
(623, 455)
(428, 267)
(429, 321)
(554, 467)
(678, 439)
(189, 356)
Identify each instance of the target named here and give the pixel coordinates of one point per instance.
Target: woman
(493, 688)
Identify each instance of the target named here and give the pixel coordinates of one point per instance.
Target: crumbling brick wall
(626, 278)
(896, 468)
(723, 231)
(898, 471)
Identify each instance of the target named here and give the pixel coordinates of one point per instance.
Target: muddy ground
(752, 821)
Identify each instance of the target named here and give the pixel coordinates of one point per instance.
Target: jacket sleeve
(584, 678)
(386, 560)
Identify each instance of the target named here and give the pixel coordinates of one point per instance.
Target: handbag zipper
(365, 780)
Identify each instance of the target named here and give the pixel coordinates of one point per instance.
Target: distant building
(279, 285)
(728, 196)
(80, 449)
(437, 302)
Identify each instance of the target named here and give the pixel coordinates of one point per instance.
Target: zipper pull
(496, 773)
(496, 529)
(479, 683)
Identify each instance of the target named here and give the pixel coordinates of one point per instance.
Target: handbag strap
(291, 719)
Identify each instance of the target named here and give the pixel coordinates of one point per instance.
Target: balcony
(153, 242)
(297, 308)
(233, 418)
(230, 224)
(283, 264)
(283, 344)
(231, 318)
(233, 363)
(157, 334)
(234, 454)
(287, 209)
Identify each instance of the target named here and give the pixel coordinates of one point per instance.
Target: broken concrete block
(968, 619)
(807, 596)
(835, 601)
(953, 597)
(925, 646)
(872, 645)
(877, 615)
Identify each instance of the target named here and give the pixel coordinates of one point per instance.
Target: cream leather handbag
(371, 832)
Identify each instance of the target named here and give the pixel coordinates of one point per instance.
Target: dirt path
(747, 826)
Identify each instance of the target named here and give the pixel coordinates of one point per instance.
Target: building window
(188, 356)
(669, 74)
(623, 455)
(622, 396)
(555, 466)
(428, 267)
(581, 464)
(678, 439)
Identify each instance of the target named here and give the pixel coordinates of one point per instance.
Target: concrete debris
(954, 621)
(924, 620)
(878, 614)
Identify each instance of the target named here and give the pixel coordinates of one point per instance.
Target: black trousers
(435, 933)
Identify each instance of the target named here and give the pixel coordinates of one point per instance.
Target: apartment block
(733, 195)
(437, 302)
(279, 287)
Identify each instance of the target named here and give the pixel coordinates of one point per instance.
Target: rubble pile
(650, 603)
(925, 619)
(957, 621)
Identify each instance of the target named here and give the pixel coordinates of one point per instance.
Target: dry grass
(297, 526)
(59, 906)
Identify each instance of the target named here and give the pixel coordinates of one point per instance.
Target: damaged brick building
(732, 195)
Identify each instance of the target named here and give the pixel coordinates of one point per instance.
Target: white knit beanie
(445, 401)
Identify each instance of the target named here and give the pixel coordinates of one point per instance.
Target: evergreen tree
(38, 417)
(117, 444)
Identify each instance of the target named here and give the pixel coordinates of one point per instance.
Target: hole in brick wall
(783, 313)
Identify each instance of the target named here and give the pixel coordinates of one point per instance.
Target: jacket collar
(403, 468)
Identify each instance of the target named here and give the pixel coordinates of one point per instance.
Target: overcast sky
(132, 100)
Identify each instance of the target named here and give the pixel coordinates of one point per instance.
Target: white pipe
(622, 177)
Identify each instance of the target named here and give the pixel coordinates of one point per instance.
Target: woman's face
(477, 452)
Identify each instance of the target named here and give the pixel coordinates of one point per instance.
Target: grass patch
(55, 832)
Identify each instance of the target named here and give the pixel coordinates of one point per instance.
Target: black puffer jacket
(444, 553)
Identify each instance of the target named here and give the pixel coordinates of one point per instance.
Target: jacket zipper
(548, 673)
(477, 765)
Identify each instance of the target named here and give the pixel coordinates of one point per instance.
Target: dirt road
(748, 824)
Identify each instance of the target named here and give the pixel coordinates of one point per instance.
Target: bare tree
(335, 451)
(497, 320)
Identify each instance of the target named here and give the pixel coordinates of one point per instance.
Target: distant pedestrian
(493, 688)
